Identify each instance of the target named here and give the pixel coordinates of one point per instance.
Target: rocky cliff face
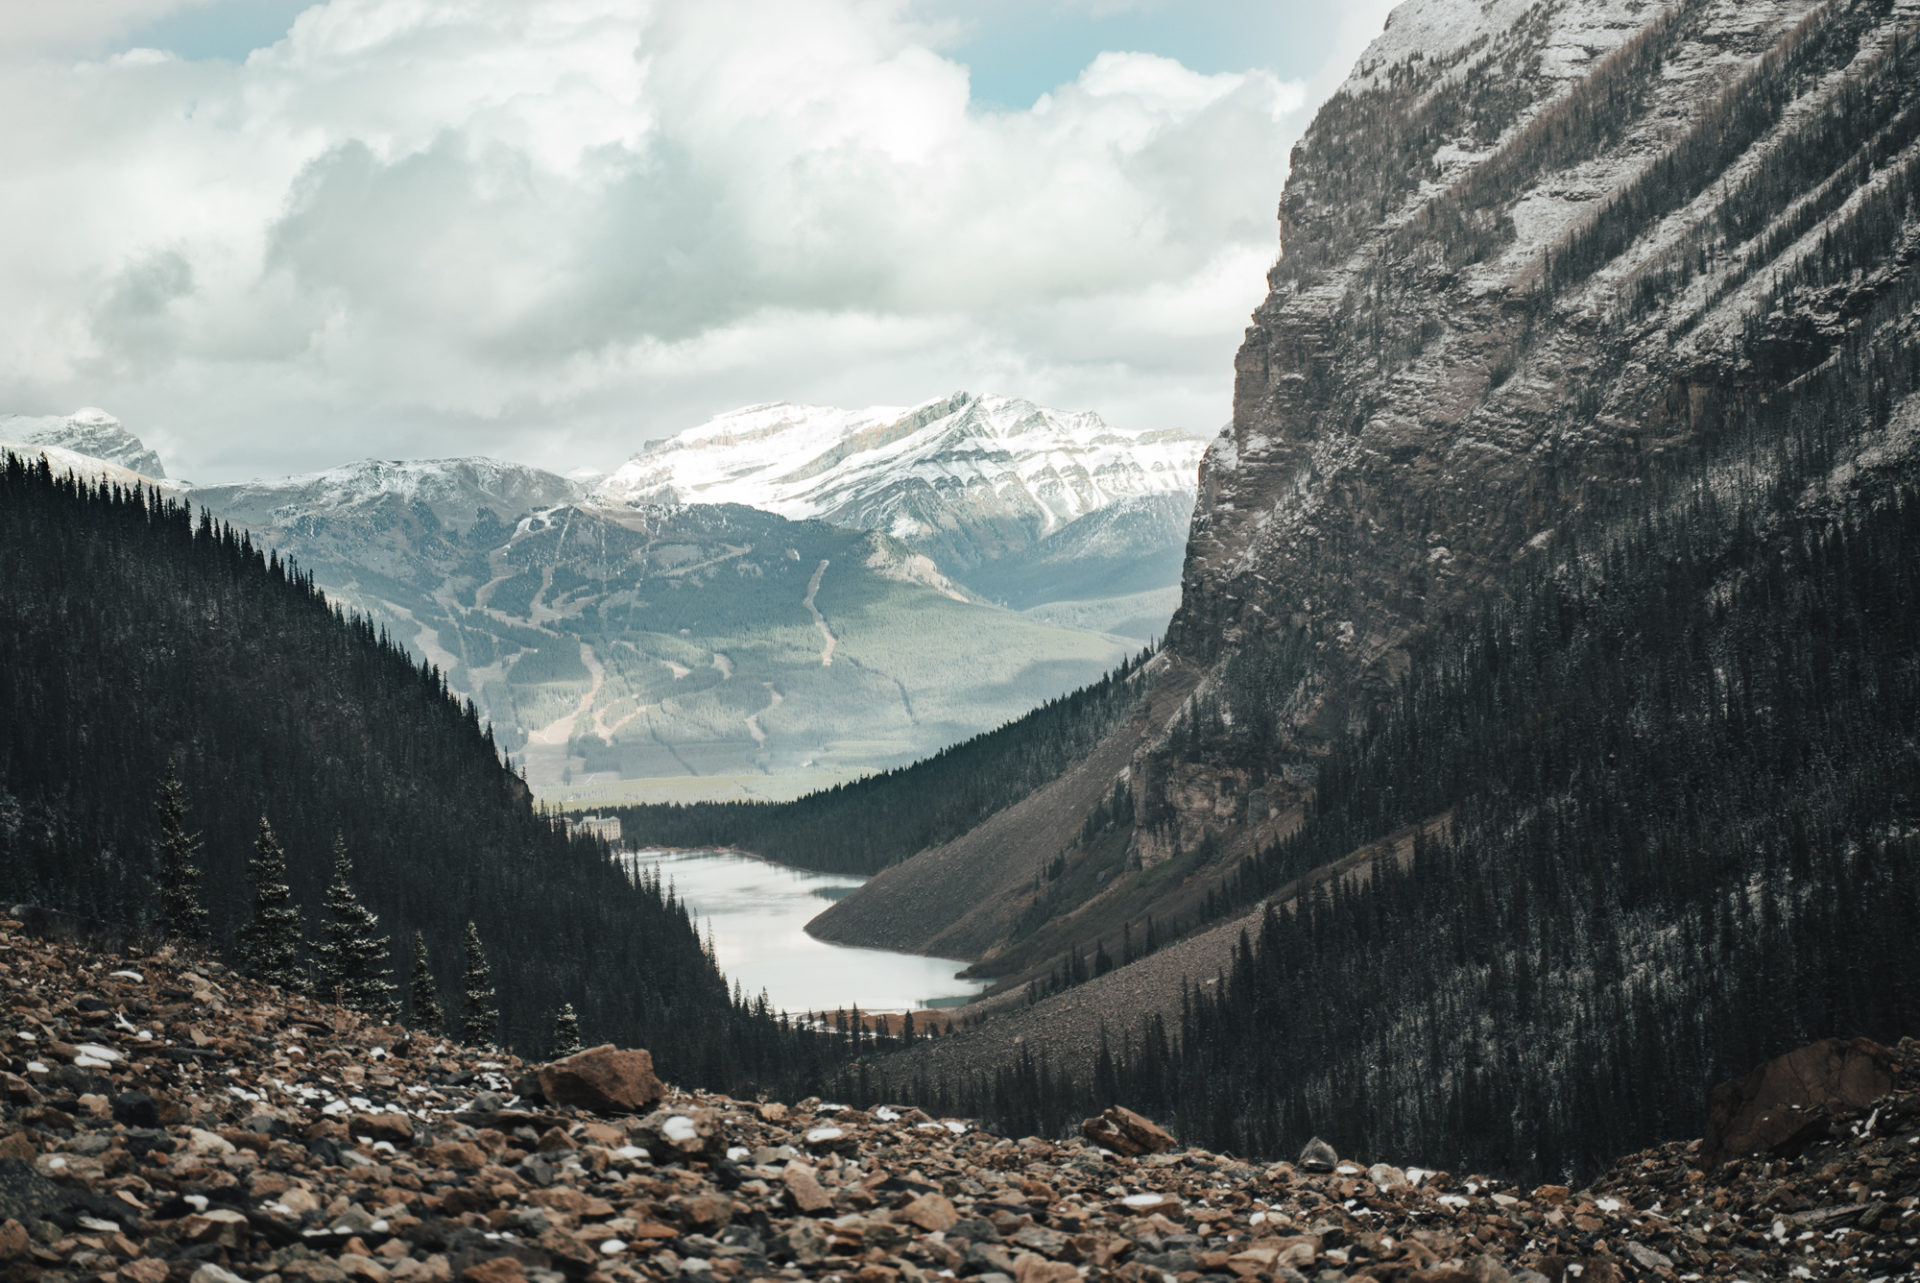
(1536, 258)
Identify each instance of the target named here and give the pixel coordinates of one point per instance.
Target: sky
(274, 236)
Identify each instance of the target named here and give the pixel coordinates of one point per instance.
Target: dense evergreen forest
(130, 634)
(1681, 780)
(869, 824)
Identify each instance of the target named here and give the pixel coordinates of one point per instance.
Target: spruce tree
(351, 953)
(480, 1023)
(423, 990)
(269, 945)
(181, 913)
(566, 1031)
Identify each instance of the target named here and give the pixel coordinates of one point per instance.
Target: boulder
(1785, 1104)
(605, 1079)
(1318, 1156)
(1125, 1132)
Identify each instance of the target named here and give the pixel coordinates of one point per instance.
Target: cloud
(440, 226)
(39, 27)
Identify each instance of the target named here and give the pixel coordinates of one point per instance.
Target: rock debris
(163, 1120)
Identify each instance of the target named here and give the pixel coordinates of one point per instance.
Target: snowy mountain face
(90, 432)
(966, 479)
(456, 491)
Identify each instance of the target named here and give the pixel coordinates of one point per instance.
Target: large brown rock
(605, 1079)
(1785, 1104)
(1125, 1132)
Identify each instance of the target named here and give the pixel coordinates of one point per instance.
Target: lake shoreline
(756, 911)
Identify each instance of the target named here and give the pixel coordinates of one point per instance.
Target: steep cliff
(1537, 259)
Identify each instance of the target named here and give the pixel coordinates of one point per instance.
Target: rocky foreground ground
(165, 1121)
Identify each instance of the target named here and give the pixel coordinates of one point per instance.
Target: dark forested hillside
(1680, 778)
(867, 825)
(130, 634)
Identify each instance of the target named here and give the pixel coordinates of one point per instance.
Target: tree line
(868, 824)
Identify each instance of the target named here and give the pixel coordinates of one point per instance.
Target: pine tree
(480, 1024)
(566, 1031)
(423, 990)
(269, 945)
(181, 913)
(351, 952)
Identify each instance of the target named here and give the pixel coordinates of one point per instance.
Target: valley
(1497, 748)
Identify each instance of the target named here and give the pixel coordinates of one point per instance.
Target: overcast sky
(274, 236)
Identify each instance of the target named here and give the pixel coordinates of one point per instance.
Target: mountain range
(774, 601)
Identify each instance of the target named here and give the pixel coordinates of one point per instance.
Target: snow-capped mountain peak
(90, 431)
(968, 477)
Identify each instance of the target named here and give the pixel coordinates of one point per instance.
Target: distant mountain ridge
(967, 479)
(717, 649)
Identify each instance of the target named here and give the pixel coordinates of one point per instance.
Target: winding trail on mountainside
(820, 620)
(774, 700)
(545, 754)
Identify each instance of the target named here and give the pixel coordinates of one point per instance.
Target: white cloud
(437, 226)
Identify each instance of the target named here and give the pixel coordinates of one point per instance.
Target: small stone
(804, 1188)
(501, 1269)
(931, 1212)
(146, 1270)
(1647, 1258)
(397, 1128)
(207, 1145)
(217, 1225)
(706, 1213)
(136, 1109)
(209, 1273)
(1318, 1156)
(1028, 1268)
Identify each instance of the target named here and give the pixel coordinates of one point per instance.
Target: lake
(759, 912)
